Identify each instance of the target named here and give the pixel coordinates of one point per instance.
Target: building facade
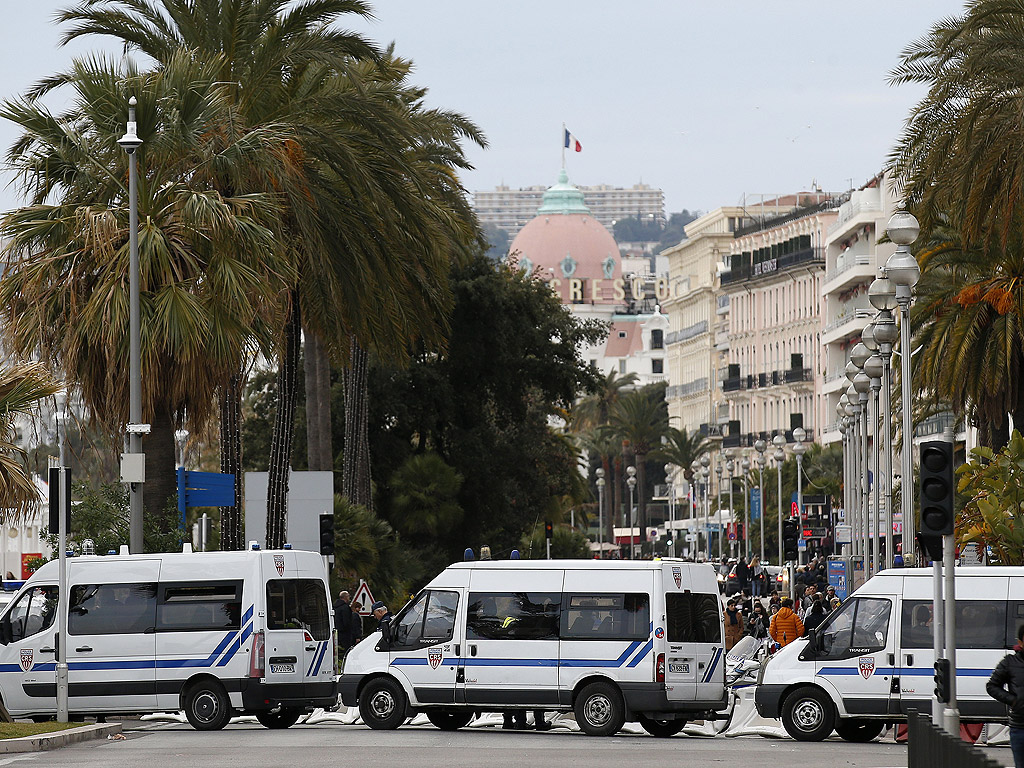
(773, 381)
(511, 209)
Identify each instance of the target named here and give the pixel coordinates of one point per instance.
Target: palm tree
(364, 185)
(22, 386)
(968, 323)
(640, 421)
(681, 448)
(593, 411)
(960, 149)
(65, 289)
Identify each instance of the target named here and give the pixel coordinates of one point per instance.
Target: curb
(47, 741)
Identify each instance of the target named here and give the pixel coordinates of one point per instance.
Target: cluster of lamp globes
(893, 287)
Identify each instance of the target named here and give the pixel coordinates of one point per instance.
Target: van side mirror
(5, 631)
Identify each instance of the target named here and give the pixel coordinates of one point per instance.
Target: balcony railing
(845, 265)
(691, 387)
(687, 333)
(769, 267)
(767, 379)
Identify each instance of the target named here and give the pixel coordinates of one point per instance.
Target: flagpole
(563, 146)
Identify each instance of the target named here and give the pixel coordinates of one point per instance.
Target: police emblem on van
(279, 564)
(677, 576)
(867, 666)
(26, 659)
(434, 657)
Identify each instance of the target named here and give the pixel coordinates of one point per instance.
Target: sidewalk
(47, 741)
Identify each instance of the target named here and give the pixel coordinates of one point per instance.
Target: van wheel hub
(382, 704)
(598, 709)
(808, 715)
(206, 706)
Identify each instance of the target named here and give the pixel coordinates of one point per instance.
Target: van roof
(970, 570)
(595, 565)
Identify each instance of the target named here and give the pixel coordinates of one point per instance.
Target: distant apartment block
(510, 209)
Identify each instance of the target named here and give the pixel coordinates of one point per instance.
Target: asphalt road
(248, 746)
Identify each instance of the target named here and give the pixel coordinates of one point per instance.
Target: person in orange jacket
(786, 625)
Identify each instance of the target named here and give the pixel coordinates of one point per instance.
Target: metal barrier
(931, 747)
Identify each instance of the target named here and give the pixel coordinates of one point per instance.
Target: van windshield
(860, 625)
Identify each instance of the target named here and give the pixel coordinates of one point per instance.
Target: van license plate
(280, 669)
(682, 669)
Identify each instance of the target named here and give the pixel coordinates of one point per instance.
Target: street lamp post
(799, 449)
(745, 469)
(705, 473)
(631, 482)
(853, 414)
(718, 504)
(694, 500)
(730, 466)
(600, 511)
(779, 441)
(882, 295)
(902, 268)
(670, 481)
(759, 446)
(873, 370)
(130, 142)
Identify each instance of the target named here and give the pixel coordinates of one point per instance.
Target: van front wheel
(207, 706)
(661, 728)
(808, 714)
(599, 709)
(382, 704)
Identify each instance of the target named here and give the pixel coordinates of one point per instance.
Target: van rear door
(111, 635)
(694, 665)
(298, 639)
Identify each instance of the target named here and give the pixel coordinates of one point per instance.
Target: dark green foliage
(102, 514)
(483, 408)
(566, 543)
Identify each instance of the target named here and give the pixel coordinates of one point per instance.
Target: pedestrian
(357, 623)
(757, 577)
(383, 616)
(743, 575)
(786, 625)
(758, 622)
(815, 614)
(343, 622)
(807, 600)
(1007, 685)
(733, 624)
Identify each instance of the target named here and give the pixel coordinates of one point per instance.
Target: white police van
(872, 659)
(609, 640)
(214, 634)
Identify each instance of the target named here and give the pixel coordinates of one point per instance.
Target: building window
(622, 366)
(657, 365)
(657, 339)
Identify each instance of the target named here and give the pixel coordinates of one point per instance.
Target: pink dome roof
(568, 246)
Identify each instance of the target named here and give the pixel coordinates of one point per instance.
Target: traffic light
(790, 537)
(547, 531)
(942, 679)
(937, 488)
(55, 477)
(326, 534)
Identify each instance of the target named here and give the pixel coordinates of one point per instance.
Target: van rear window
(194, 607)
(606, 617)
(693, 617)
(298, 604)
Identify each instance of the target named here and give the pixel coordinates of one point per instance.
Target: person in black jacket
(343, 622)
(1007, 685)
(815, 615)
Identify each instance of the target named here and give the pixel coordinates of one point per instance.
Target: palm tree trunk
(160, 490)
(232, 528)
(310, 346)
(323, 398)
(355, 465)
(284, 429)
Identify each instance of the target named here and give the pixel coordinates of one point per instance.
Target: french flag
(571, 142)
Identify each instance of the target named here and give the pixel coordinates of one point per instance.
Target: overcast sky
(707, 100)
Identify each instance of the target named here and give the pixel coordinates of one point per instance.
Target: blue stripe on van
(320, 660)
(902, 671)
(175, 663)
(640, 656)
(233, 648)
(602, 663)
(318, 657)
(712, 666)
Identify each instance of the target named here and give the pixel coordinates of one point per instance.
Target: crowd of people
(781, 618)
